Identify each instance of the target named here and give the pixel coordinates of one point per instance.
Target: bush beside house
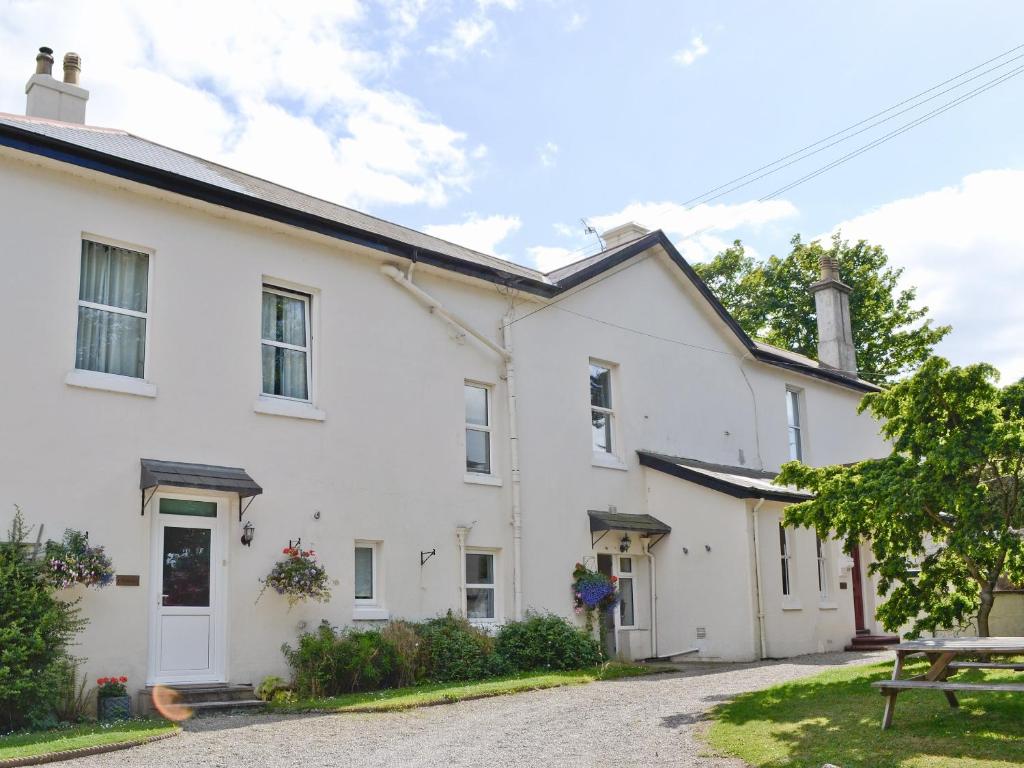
(328, 662)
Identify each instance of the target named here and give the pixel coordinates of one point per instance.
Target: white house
(191, 349)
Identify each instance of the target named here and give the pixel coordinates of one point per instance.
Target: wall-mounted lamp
(624, 542)
(247, 533)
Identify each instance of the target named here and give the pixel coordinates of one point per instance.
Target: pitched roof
(739, 482)
(124, 155)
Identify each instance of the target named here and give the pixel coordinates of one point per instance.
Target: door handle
(161, 602)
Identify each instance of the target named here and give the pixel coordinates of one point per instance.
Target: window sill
(791, 605)
(608, 461)
(828, 605)
(110, 382)
(482, 479)
(370, 614)
(292, 409)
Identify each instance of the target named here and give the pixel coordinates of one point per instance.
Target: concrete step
(224, 707)
(868, 642)
(198, 694)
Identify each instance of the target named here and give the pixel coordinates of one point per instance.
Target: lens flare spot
(166, 702)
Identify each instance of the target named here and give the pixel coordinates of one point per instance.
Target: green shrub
(453, 649)
(75, 700)
(35, 631)
(403, 636)
(544, 641)
(326, 662)
(270, 685)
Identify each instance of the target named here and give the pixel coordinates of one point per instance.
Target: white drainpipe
(460, 537)
(513, 455)
(758, 581)
(505, 353)
(654, 602)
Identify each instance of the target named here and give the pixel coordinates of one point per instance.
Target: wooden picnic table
(945, 655)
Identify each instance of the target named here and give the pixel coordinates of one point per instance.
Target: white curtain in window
(111, 341)
(284, 369)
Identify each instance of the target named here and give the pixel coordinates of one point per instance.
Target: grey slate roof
(740, 482)
(127, 156)
(127, 146)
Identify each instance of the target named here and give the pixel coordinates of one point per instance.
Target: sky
(502, 124)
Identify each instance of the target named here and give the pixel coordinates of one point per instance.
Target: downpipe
(758, 580)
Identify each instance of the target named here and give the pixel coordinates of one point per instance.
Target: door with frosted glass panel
(187, 630)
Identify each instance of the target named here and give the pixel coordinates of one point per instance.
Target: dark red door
(858, 596)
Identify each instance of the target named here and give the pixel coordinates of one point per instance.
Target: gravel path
(645, 721)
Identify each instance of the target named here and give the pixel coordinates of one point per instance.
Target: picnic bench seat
(1016, 667)
(947, 685)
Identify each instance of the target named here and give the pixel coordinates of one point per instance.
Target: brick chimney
(623, 233)
(835, 333)
(50, 98)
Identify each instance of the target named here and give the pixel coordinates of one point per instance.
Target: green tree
(771, 301)
(35, 631)
(943, 512)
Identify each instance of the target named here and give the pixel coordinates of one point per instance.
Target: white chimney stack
(48, 97)
(835, 333)
(623, 233)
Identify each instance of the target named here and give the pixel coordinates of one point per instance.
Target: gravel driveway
(641, 721)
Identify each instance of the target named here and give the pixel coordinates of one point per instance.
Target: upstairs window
(478, 428)
(796, 448)
(113, 306)
(602, 414)
(286, 344)
(786, 557)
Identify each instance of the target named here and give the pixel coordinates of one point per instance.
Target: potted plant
(112, 699)
(593, 592)
(72, 561)
(298, 576)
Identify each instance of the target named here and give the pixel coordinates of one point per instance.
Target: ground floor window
(627, 602)
(480, 586)
(785, 555)
(365, 573)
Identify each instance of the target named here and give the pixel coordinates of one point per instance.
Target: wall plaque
(126, 580)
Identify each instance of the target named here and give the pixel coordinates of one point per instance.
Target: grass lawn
(835, 717)
(445, 693)
(80, 736)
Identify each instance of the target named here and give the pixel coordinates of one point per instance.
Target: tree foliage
(771, 301)
(943, 512)
(35, 631)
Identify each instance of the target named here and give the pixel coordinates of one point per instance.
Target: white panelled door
(187, 631)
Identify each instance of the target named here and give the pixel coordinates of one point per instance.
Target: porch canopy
(206, 477)
(645, 525)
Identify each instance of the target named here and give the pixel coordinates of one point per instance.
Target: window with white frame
(794, 426)
(113, 310)
(366, 567)
(478, 428)
(602, 413)
(286, 341)
(627, 602)
(481, 602)
(822, 550)
(785, 553)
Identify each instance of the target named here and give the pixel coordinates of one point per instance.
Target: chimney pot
(72, 67)
(44, 61)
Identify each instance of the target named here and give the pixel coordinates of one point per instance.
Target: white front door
(187, 630)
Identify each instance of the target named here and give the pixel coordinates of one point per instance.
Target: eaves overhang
(738, 482)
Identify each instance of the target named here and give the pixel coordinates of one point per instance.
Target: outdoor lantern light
(247, 531)
(624, 543)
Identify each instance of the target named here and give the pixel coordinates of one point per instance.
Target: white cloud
(575, 22)
(699, 233)
(548, 154)
(294, 93)
(687, 56)
(472, 32)
(963, 247)
(482, 234)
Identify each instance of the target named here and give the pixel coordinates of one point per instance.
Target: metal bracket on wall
(145, 501)
(242, 510)
(424, 556)
(652, 541)
(593, 541)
